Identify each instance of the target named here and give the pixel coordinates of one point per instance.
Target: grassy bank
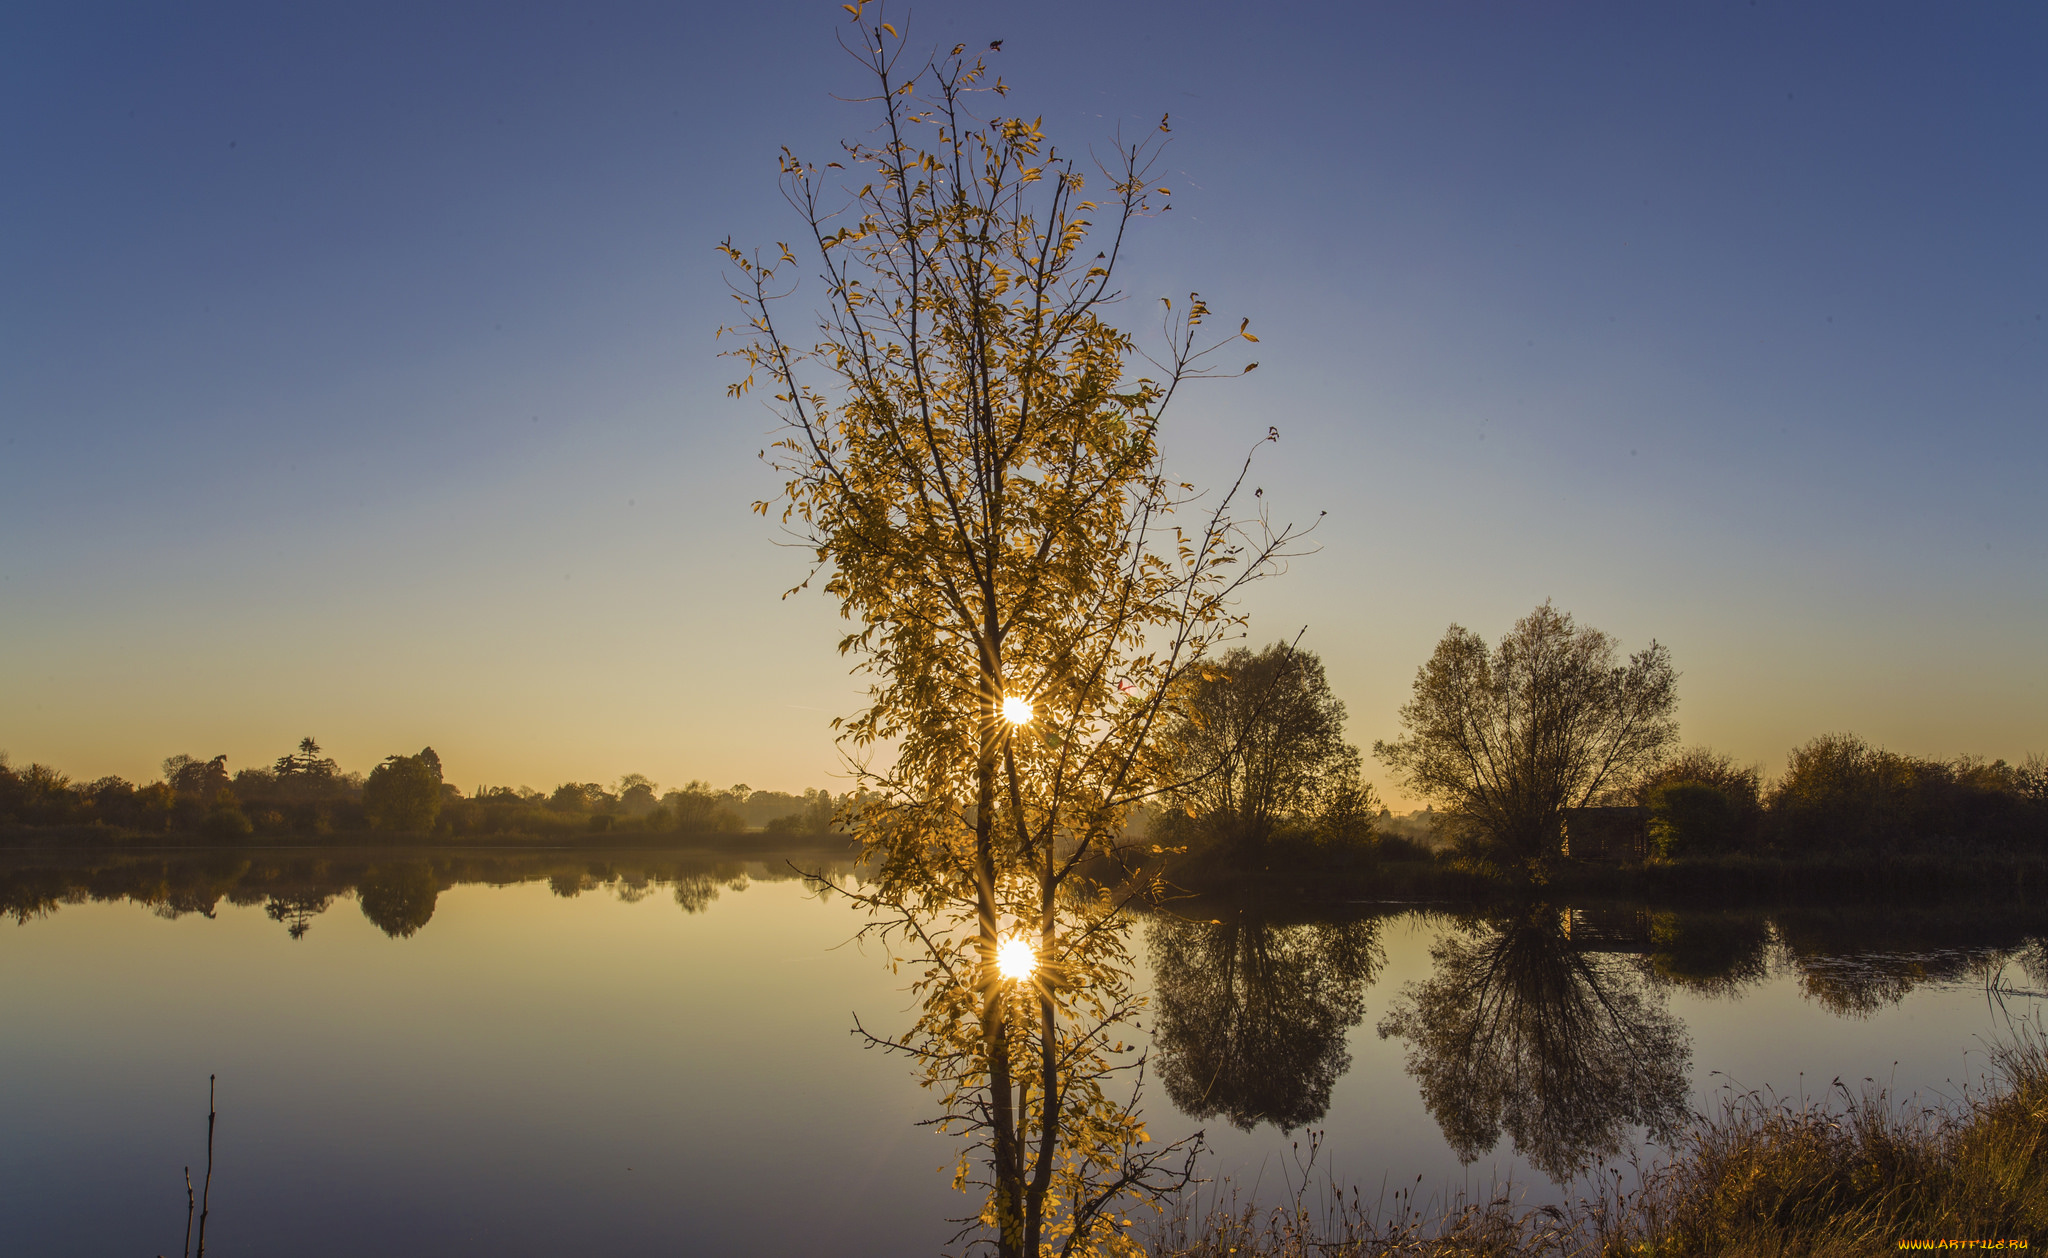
(1859, 1175)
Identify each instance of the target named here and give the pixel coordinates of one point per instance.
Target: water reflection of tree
(696, 891)
(193, 886)
(1857, 961)
(1709, 954)
(297, 910)
(399, 899)
(1563, 1049)
(630, 883)
(33, 893)
(2029, 959)
(294, 888)
(1859, 987)
(1253, 1016)
(570, 883)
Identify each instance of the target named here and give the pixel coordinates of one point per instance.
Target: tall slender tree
(970, 452)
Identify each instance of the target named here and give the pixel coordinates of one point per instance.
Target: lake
(457, 1052)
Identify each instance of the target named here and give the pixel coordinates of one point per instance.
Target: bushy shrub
(1740, 786)
(577, 797)
(225, 820)
(1693, 819)
(700, 809)
(1839, 792)
(815, 817)
(39, 796)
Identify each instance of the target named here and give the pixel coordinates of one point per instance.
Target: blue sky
(357, 373)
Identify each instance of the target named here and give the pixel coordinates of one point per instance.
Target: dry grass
(1345, 1226)
(1762, 1179)
(1769, 1178)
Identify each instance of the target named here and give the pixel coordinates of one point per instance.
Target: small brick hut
(1610, 835)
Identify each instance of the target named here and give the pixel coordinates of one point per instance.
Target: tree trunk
(1009, 1169)
(1048, 1053)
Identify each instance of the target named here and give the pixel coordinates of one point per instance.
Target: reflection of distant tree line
(306, 793)
(397, 894)
(1549, 1026)
(1546, 1025)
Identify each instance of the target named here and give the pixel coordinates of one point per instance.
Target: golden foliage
(973, 463)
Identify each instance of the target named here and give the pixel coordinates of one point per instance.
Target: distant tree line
(1505, 742)
(1839, 794)
(1501, 741)
(305, 793)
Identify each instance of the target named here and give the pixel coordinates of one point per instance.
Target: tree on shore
(1701, 803)
(306, 765)
(975, 471)
(404, 793)
(191, 776)
(1550, 719)
(1258, 750)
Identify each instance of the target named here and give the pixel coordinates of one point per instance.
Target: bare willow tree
(971, 453)
(1550, 719)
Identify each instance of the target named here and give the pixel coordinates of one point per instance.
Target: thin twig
(206, 1193)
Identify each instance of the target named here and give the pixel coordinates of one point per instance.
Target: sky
(357, 371)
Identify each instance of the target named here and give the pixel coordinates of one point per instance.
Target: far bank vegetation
(1505, 743)
(307, 795)
(1552, 729)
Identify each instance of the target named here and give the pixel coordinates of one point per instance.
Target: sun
(1015, 960)
(1016, 711)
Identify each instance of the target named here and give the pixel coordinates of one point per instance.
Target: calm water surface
(652, 1054)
